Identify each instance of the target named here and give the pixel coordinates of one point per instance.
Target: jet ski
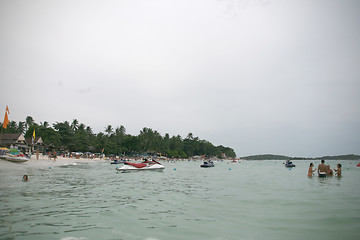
(289, 164)
(117, 161)
(145, 165)
(208, 164)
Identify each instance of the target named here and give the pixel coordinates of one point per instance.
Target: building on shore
(17, 140)
(14, 140)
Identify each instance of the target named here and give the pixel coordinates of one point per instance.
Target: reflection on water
(253, 200)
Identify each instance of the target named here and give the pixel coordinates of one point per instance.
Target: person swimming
(25, 178)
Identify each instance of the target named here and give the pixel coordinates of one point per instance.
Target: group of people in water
(324, 170)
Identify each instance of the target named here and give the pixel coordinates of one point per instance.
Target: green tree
(74, 125)
(21, 127)
(66, 135)
(109, 130)
(28, 122)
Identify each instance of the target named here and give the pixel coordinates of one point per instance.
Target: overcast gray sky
(258, 76)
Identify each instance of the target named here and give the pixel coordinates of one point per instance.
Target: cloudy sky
(259, 76)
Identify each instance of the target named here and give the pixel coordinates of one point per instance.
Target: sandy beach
(45, 162)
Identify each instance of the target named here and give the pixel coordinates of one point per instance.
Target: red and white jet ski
(146, 165)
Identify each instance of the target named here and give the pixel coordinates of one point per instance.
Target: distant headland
(282, 157)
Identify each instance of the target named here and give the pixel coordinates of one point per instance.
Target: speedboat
(208, 164)
(289, 164)
(146, 165)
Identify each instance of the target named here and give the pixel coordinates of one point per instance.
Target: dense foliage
(77, 137)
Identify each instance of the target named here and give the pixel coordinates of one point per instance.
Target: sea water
(242, 200)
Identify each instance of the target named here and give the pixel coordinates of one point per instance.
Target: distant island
(282, 157)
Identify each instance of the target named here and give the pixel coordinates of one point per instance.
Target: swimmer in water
(25, 178)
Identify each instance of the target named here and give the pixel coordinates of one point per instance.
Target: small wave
(73, 238)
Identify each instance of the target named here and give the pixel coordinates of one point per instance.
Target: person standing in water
(338, 170)
(329, 171)
(310, 172)
(322, 169)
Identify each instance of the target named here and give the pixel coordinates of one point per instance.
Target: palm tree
(89, 130)
(74, 125)
(109, 129)
(46, 124)
(28, 122)
(120, 131)
(21, 127)
(190, 136)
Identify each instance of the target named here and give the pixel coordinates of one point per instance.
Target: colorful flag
(6, 121)
(33, 140)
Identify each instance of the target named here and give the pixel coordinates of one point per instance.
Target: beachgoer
(54, 156)
(322, 169)
(310, 172)
(25, 178)
(329, 172)
(338, 170)
(37, 154)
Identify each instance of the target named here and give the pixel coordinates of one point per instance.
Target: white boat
(146, 165)
(14, 158)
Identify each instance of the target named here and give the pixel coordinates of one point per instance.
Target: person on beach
(322, 169)
(338, 170)
(25, 178)
(54, 156)
(311, 171)
(37, 154)
(329, 172)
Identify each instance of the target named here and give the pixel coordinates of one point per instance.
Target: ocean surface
(246, 200)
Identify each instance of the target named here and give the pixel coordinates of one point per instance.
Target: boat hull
(207, 165)
(14, 159)
(289, 165)
(130, 168)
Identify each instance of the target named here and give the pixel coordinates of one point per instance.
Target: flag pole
(1, 133)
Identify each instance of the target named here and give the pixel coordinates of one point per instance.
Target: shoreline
(45, 162)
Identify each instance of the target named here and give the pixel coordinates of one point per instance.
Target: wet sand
(45, 162)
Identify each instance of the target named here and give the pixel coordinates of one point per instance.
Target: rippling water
(248, 200)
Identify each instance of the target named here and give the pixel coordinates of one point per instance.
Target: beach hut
(14, 140)
(37, 144)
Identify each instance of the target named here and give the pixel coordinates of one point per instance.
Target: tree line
(77, 137)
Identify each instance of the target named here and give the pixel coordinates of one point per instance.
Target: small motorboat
(146, 165)
(289, 164)
(207, 164)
